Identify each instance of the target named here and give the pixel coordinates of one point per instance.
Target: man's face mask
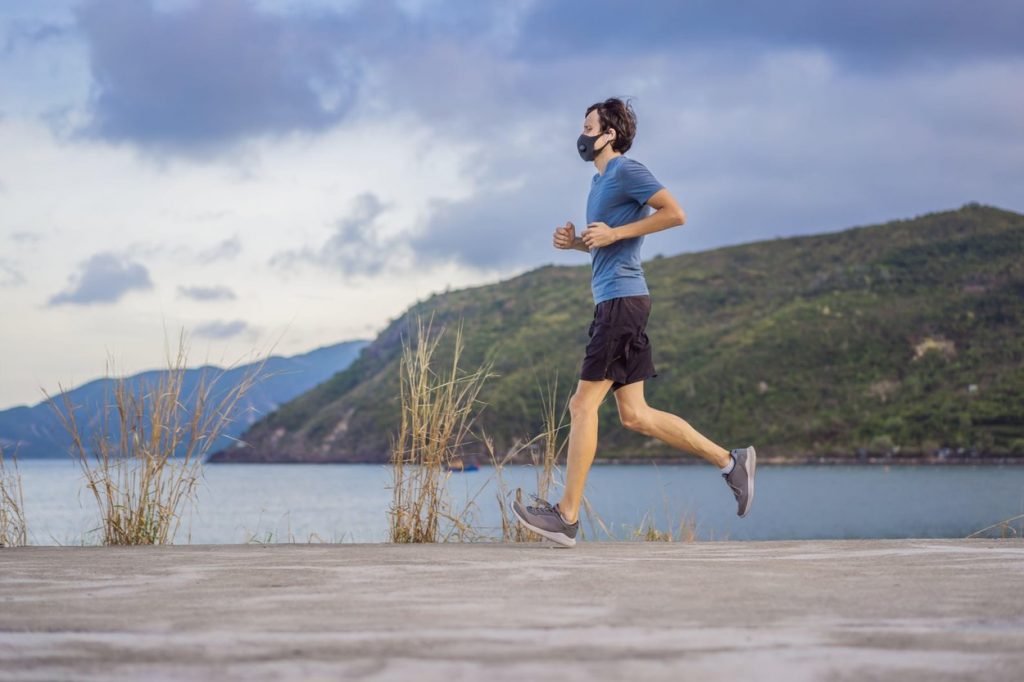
(585, 146)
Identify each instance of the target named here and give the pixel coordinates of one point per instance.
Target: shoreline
(690, 460)
(837, 461)
(696, 461)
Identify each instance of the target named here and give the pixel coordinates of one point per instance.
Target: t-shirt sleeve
(638, 183)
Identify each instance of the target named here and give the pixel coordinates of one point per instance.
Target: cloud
(198, 77)
(762, 119)
(103, 278)
(508, 220)
(210, 293)
(227, 249)
(9, 275)
(221, 329)
(355, 246)
(26, 237)
(185, 253)
(194, 78)
(201, 75)
(32, 33)
(788, 143)
(877, 35)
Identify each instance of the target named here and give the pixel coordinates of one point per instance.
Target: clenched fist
(565, 237)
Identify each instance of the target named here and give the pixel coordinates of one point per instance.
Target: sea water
(237, 503)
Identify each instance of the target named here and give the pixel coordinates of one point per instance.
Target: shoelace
(736, 490)
(544, 505)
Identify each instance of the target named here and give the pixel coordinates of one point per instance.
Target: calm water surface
(348, 503)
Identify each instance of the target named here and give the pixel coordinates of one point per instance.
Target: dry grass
(144, 473)
(438, 411)
(547, 442)
(551, 447)
(289, 537)
(551, 451)
(647, 531)
(545, 450)
(1006, 529)
(13, 529)
(686, 531)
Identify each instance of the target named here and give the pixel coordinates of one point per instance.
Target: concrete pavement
(802, 610)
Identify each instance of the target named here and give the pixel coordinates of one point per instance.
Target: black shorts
(619, 348)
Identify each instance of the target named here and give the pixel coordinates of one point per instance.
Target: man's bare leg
(638, 416)
(582, 443)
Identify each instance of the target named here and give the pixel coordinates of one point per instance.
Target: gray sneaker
(741, 478)
(545, 519)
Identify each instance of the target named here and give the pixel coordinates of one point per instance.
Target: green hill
(892, 340)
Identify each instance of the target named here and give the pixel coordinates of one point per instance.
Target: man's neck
(602, 160)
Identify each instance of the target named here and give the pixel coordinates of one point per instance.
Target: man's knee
(634, 418)
(580, 405)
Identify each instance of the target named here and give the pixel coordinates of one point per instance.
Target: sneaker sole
(560, 538)
(751, 468)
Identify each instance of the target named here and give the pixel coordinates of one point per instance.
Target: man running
(618, 355)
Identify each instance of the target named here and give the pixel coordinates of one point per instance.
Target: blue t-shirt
(619, 197)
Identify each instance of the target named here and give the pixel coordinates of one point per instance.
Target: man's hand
(565, 237)
(598, 234)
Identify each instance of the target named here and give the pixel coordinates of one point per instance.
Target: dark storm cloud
(872, 34)
(215, 72)
(762, 118)
(200, 76)
(103, 278)
(208, 73)
(354, 247)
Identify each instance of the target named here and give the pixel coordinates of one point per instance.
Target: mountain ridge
(863, 341)
(36, 432)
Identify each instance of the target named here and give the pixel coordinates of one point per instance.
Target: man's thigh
(630, 399)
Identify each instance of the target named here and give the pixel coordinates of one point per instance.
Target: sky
(286, 175)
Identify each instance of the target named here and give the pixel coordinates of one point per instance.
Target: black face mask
(585, 146)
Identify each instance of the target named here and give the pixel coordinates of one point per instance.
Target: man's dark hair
(614, 113)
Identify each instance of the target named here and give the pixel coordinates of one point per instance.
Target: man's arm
(580, 245)
(668, 214)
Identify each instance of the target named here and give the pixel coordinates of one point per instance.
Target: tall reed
(139, 480)
(1006, 529)
(511, 530)
(13, 529)
(552, 444)
(437, 412)
(647, 531)
(546, 462)
(685, 532)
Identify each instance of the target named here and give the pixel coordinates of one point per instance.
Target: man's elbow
(679, 217)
